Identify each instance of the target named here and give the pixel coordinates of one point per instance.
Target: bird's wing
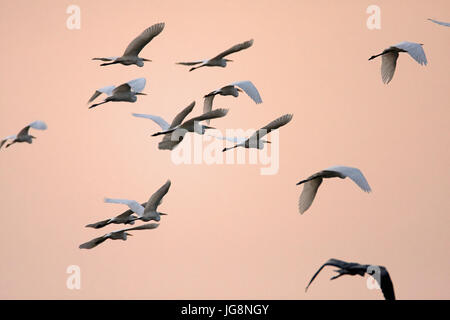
(218, 113)
(353, 173)
(193, 63)
(308, 194)
(415, 50)
(447, 24)
(235, 48)
(231, 139)
(137, 85)
(141, 227)
(275, 124)
(332, 262)
(3, 142)
(250, 89)
(207, 104)
(129, 212)
(388, 64)
(387, 287)
(106, 90)
(141, 40)
(180, 116)
(158, 120)
(106, 59)
(156, 198)
(24, 131)
(168, 144)
(133, 205)
(98, 225)
(38, 124)
(7, 138)
(125, 87)
(93, 243)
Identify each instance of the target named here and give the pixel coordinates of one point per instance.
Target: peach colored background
(230, 233)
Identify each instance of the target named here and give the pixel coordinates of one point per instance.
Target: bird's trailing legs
(341, 273)
(303, 181)
(97, 104)
(163, 132)
(225, 149)
(108, 63)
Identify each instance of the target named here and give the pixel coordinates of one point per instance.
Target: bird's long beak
(163, 214)
(129, 234)
(239, 90)
(143, 59)
(208, 127)
(228, 60)
(140, 94)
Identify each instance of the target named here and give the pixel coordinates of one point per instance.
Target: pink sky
(231, 233)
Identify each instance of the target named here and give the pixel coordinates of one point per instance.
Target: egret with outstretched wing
(116, 235)
(174, 136)
(126, 217)
(255, 141)
(149, 212)
(353, 268)
(312, 183)
(23, 135)
(219, 60)
(390, 56)
(127, 92)
(232, 89)
(131, 54)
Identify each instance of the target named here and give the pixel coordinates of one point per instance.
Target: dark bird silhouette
(116, 235)
(353, 268)
(126, 217)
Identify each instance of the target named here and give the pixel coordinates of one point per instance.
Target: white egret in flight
(389, 58)
(311, 184)
(149, 212)
(219, 60)
(125, 92)
(255, 141)
(175, 135)
(23, 135)
(164, 124)
(130, 56)
(232, 89)
(126, 217)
